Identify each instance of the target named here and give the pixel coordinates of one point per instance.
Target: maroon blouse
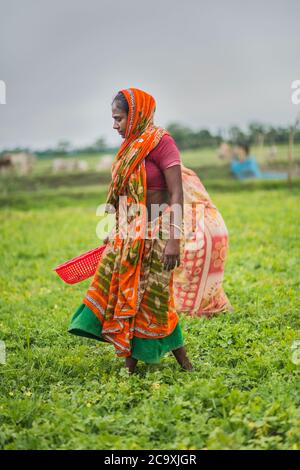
(164, 155)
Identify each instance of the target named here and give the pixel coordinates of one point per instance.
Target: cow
(69, 165)
(20, 163)
(6, 165)
(104, 163)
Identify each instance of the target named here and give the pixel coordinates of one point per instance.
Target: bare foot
(130, 364)
(182, 359)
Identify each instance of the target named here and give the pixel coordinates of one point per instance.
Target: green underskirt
(85, 323)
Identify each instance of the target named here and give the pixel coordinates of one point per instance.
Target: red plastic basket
(80, 268)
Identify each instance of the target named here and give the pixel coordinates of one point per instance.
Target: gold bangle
(177, 227)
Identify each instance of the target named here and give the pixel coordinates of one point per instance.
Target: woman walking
(131, 302)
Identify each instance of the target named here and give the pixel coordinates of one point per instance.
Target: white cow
(69, 164)
(6, 165)
(105, 162)
(60, 164)
(20, 163)
(82, 165)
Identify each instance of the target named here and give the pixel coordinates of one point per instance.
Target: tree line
(255, 134)
(185, 138)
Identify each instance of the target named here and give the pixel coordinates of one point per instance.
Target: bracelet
(178, 227)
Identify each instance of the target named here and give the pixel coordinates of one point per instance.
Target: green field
(205, 158)
(58, 391)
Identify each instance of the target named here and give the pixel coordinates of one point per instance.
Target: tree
(100, 145)
(63, 146)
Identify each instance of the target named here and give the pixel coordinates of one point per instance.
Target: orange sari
(131, 294)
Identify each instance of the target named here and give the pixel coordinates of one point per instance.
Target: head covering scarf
(141, 136)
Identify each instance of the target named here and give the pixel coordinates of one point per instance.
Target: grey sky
(207, 64)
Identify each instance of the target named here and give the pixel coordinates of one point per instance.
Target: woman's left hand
(171, 255)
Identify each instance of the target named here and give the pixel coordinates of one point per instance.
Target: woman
(130, 301)
(162, 267)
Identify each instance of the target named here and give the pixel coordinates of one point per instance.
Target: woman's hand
(171, 255)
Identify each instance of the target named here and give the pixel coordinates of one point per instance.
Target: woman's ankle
(130, 364)
(182, 358)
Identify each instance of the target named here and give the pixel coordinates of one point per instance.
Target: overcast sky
(208, 64)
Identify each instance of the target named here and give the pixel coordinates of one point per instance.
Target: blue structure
(249, 168)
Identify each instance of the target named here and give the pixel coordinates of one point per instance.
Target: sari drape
(198, 280)
(131, 294)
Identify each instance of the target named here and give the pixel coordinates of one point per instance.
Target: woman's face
(120, 119)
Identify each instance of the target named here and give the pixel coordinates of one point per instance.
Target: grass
(59, 391)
